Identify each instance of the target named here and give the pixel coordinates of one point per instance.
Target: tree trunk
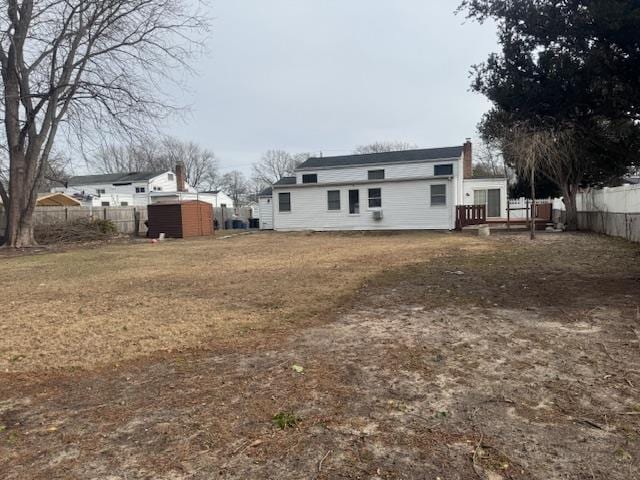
(533, 203)
(571, 207)
(23, 196)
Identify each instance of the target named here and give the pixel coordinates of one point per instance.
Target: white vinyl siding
(406, 206)
(266, 213)
(391, 171)
(483, 184)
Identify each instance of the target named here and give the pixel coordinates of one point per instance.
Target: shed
(180, 219)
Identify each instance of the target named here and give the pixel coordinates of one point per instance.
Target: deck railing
(470, 215)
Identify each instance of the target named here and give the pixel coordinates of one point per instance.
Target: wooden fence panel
(122, 217)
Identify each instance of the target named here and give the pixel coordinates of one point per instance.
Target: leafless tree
(489, 162)
(532, 150)
(159, 155)
(274, 165)
(381, 147)
(236, 186)
(76, 66)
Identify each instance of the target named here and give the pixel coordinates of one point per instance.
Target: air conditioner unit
(377, 214)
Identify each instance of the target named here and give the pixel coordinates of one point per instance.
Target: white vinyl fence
(612, 211)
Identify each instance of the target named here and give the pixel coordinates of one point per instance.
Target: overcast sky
(328, 75)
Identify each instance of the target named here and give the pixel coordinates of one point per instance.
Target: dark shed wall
(165, 218)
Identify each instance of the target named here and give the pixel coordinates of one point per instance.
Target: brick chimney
(467, 159)
(180, 176)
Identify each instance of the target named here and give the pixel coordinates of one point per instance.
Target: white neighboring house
(403, 190)
(137, 189)
(216, 198)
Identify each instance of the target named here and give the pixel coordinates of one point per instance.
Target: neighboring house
(215, 198)
(137, 189)
(403, 190)
(119, 189)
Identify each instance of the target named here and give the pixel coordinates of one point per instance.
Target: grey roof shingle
(112, 178)
(446, 153)
(286, 181)
(267, 192)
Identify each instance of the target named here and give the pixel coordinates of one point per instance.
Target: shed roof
(403, 156)
(113, 178)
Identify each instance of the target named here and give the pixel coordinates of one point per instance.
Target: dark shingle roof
(386, 157)
(267, 192)
(113, 178)
(286, 181)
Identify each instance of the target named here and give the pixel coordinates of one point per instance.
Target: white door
(266, 214)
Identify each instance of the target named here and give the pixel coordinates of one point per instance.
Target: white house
(403, 190)
(138, 189)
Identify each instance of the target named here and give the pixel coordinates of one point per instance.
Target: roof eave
(302, 168)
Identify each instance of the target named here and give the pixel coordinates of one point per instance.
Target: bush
(83, 230)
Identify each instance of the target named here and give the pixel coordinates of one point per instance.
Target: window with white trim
(333, 199)
(438, 195)
(375, 197)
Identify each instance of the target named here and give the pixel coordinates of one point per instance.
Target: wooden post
(533, 206)
(66, 214)
(104, 214)
(136, 222)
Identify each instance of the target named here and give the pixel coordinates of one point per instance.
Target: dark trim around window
(310, 178)
(333, 200)
(443, 170)
(375, 197)
(284, 202)
(375, 174)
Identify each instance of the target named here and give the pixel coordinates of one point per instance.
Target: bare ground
(498, 360)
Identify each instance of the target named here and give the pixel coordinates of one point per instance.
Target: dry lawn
(84, 308)
(424, 356)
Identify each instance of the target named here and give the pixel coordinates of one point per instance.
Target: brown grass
(86, 308)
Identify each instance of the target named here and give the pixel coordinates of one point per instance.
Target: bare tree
(159, 155)
(381, 147)
(236, 186)
(201, 164)
(81, 65)
(274, 165)
(532, 150)
(489, 162)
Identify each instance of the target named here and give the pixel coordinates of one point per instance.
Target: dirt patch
(410, 381)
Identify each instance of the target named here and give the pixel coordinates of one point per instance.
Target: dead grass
(497, 359)
(84, 308)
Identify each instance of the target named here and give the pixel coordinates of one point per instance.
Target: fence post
(66, 215)
(136, 222)
(105, 213)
